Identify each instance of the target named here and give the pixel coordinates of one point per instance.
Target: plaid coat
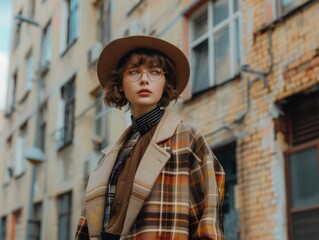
(177, 192)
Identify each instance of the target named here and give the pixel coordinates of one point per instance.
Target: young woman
(160, 179)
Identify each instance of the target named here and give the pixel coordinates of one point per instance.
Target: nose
(144, 78)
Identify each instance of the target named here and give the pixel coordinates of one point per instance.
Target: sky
(5, 35)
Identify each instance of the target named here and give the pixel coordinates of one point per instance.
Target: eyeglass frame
(147, 74)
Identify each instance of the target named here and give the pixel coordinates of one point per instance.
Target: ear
(121, 89)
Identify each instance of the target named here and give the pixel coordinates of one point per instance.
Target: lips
(144, 91)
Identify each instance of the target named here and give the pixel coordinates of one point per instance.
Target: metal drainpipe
(259, 75)
(36, 139)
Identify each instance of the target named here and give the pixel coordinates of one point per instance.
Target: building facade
(253, 92)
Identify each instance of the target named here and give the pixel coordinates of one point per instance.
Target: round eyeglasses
(135, 74)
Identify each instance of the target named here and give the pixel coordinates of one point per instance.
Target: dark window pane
(64, 216)
(304, 175)
(227, 157)
(305, 225)
(220, 11)
(3, 227)
(201, 81)
(201, 25)
(235, 3)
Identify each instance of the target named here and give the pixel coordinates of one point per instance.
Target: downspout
(259, 75)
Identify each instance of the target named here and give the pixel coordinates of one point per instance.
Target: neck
(136, 113)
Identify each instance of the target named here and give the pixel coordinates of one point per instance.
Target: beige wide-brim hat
(115, 50)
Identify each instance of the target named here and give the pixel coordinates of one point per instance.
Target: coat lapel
(96, 188)
(150, 167)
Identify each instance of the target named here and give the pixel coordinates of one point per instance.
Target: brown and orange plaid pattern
(186, 200)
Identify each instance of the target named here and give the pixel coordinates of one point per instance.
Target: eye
(155, 71)
(134, 72)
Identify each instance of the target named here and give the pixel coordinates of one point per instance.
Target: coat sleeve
(82, 232)
(207, 179)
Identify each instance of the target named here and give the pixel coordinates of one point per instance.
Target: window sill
(25, 96)
(133, 7)
(65, 145)
(68, 46)
(283, 18)
(8, 113)
(19, 175)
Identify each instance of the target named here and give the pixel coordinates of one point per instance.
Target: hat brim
(115, 50)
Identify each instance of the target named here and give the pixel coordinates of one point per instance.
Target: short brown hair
(114, 98)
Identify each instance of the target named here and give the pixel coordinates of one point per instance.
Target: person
(160, 179)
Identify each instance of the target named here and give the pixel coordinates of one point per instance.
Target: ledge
(284, 17)
(68, 46)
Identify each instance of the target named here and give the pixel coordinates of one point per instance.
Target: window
(16, 226)
(72, 21)
(12, 92)
(21, 148)
(101, 123)
(64, 215)
(46, 49)
(17, 32)
(285, 6)
(35, 223)
(42, 126)
(3, 227)
(29, 72)
(302, 166)
(215, 44)
(8, 172)
(227, 157)
(102, 24)
(67, 109)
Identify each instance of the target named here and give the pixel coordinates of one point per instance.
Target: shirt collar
(148, 120)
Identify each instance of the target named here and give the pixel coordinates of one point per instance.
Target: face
(143, 93)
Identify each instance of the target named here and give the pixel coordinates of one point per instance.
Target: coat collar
(150, 167)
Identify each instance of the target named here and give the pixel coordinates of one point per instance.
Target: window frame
(46, 50)
(209, 36)
(29, 72)
(17, 34)
(9, 170)
(229, 164)
(102, 116)
(36, 222)
(42, 126)
(279, 8)
(290, 209)
(20, 164)
(72, 21)
(68, 96)
(3, 227)
(290, 107)
(12, 92)
(62, 214)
